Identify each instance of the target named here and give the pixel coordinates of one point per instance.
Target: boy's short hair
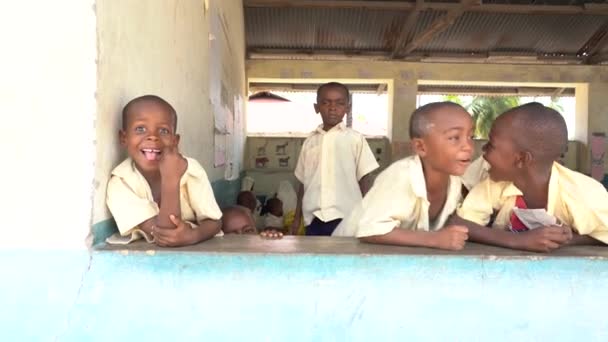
(333, 85)
(148, 98)
(421, 118)
(541, 130)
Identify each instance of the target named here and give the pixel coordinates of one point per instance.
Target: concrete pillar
(404, 103)
(597, 118)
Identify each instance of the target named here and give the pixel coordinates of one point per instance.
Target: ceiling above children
(485, 31)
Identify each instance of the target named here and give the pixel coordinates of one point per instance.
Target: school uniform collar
(339, 127)
(416, 174)
(511, 190)
(127, 171)
(418, 184)
(419, 187)
(553, 188)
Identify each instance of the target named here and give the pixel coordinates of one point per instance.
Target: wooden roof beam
(439, 25)
(592, 47)
(588, 9)
(408, 25)
(378, 5)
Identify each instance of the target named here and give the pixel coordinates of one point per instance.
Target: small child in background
(247, 199)
(239, 220)
(273, 214)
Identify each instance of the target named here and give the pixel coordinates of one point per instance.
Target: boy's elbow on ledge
(216, 226)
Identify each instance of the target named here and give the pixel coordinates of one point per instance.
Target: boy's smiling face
(150, 128)
(448, 144)
(332, 104)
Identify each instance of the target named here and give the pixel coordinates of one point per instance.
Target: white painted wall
(47, 102)
(160, 47)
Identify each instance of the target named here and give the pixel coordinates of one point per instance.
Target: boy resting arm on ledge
(410, 201)
(524, 146)
(156, 193)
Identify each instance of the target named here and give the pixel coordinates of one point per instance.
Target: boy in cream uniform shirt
(475, 173)
(411, 200)
(156, 193)
(525, 144)
(332, 167)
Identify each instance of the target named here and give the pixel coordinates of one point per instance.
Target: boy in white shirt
(333, 165)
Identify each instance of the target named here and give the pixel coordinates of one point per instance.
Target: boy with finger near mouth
(156, 193)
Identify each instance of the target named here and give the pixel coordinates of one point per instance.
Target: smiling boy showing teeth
(411, 200)
(156, 193)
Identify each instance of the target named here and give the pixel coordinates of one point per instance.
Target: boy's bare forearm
(485, 235)
(206, 230)
(169, 204)
(586, 240)
(402, 237)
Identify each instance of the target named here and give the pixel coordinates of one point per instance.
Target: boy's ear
(525, 158)
(177, 137)
(122, 137)
(418, 146)
(522, 159)
(316, 108)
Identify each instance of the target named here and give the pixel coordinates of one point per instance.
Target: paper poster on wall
(236, 141)
(219, 118)
(215, 57)
(219, 150)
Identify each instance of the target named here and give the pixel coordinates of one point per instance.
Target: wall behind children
(172, 64)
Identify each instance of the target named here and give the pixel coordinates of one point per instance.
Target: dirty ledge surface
(252, 244)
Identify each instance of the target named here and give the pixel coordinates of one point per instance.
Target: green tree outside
(485, 109)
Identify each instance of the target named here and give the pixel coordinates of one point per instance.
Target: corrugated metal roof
(319, 29)
(361, 30)
(503, 32)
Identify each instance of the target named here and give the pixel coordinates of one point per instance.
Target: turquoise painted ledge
(190, 296)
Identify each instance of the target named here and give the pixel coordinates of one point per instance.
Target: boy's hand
(452, 237)
(172, 164)
(271, 234)
(180, 235)
(544, 239)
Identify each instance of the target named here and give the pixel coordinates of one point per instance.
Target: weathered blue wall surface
(110, 296)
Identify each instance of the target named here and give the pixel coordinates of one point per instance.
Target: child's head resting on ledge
(238, 220)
